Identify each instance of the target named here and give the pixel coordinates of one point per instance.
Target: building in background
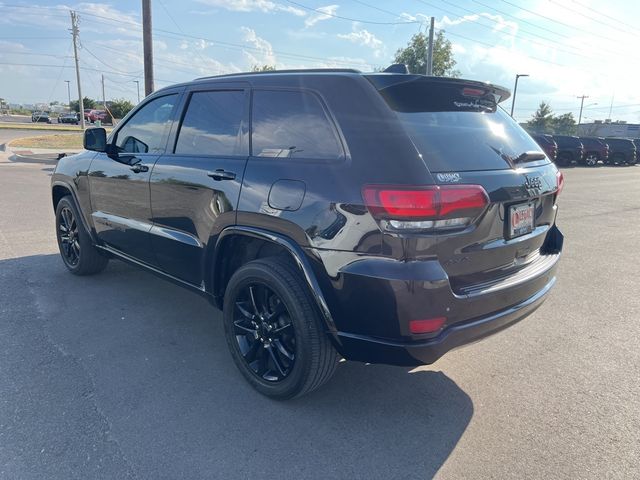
(607, 128)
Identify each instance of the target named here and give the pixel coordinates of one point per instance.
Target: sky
(568, 48)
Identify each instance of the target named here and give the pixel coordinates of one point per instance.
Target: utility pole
(430, 47)
(104, 100)
(611, 107)
(515, 90)
(581, 97)
(147, 46)
(75, 32)
(68, 82)
(137, 82)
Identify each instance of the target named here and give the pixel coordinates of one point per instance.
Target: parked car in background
(621, 151)
(87, 111)
(595, 150)
(40, 117)
(68, 118)
(102, 115)
(570, 149)
(548, 144)
(382, 218)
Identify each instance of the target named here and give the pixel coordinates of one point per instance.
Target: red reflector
(428, 325)
(559, 181)
(425, 203)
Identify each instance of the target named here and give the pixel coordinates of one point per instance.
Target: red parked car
(101, 115)
(596, 149)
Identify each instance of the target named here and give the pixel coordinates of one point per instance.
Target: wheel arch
(59, 190)
(261, 243)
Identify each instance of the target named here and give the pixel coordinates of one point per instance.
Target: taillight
(559, 182)
(402, 208)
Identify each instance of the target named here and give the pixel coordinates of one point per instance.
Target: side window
(213, 124)
(292, 124)
(147, 130)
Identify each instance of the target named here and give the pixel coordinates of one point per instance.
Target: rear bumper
(373, 300)
(374, 350)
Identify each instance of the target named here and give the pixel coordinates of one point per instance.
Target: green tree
(414, 55)
(542, 120)
(120, 107)
(564, 124)
(88, 103)
(263, 68)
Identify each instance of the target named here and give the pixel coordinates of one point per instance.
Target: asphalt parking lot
(123, 375)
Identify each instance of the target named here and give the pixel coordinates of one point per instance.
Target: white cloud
(261, 46)
(323, 13)
(500, 23)
(253, 5)
(365, 38)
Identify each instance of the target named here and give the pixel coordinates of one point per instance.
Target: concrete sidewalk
(38, 155)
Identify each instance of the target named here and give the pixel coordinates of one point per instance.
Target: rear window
(457, 127)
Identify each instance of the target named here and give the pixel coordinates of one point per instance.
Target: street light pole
(137, 82)
(515, 90)
(68, 82)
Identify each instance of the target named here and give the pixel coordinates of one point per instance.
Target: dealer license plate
(521, 219)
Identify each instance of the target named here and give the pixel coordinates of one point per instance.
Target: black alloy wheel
(274, 330)
(264, 332)
(69, 237)
(78, 252)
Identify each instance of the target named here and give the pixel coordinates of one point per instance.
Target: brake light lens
(559, 181)
(428, 325)
(419, 208)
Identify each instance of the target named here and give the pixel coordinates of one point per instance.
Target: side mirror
(95, 139)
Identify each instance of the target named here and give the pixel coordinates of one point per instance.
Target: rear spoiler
(410, 93)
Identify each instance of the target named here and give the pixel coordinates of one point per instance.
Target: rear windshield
(457, 125)
(466, 140)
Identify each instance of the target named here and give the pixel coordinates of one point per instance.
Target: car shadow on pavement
(162, 380)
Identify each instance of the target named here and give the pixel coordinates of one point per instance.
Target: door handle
(138, 168)
(220, 174)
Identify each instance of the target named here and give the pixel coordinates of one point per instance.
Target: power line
(84, 47)
(317, 10)
(566, 25)
(598, 18)
(618, 21)
(88, 69)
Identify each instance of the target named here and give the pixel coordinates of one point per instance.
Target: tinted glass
(456, 126)
(147, 130)
(213, 124)
(466, 141)
(294, 125)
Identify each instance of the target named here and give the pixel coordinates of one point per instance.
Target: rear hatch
(473, 149)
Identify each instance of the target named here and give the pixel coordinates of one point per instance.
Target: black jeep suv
(383, 218)
(621, 151)
(570, 149)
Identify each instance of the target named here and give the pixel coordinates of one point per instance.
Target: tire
(276, 361)
(78, 253)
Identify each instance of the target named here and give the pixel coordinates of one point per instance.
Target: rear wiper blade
(523, 157)
(529, 157)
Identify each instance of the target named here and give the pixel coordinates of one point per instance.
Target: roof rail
(302, 70)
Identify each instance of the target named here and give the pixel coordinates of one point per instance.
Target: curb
(48, 159)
